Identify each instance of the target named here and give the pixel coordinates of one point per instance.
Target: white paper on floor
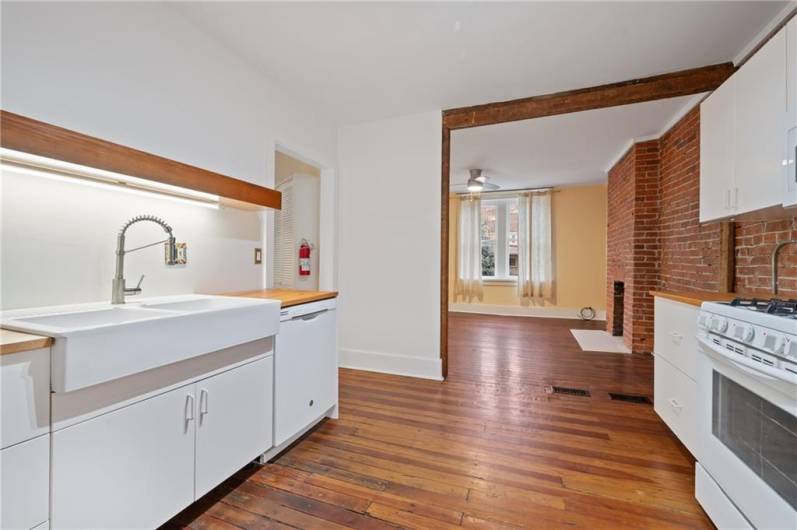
(597, 340)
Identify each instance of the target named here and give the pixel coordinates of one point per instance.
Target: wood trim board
(674, 84)
(25, 134)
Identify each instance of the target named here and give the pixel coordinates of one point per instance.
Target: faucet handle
(135, 290)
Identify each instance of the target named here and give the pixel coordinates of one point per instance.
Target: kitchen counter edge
(287, 297)
(16, 342)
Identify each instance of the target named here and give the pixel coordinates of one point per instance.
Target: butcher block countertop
(288, 297)
(15, 342)
(695, 297)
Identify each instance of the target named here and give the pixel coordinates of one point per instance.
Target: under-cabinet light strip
(66, 171)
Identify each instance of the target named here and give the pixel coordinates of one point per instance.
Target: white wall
(389, 245)
(141, 75)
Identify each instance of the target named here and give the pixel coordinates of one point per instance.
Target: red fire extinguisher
(304, 258)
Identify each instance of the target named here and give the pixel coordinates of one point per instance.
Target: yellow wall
(285, 166)
(579, 246)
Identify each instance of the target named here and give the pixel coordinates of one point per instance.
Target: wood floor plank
(488, 449)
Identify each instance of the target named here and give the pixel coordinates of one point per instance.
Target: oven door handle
(746, 365)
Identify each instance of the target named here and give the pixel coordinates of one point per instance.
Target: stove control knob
(719, 324)
(780, 346)
(790, 348)
(748, 332)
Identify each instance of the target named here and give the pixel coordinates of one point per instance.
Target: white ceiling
(364, 61)
(562, 150)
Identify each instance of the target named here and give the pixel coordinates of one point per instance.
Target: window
(499, 239)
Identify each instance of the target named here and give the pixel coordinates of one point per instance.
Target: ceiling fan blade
(489, 186)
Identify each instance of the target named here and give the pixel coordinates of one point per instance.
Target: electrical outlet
(182, 253)
(258, 256)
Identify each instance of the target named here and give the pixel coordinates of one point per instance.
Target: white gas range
(746, 475)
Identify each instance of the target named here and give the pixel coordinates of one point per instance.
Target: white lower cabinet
(25, 471)
(675, 401)
(234, 421)
(24, 395)
(138, 466)
(131, 468)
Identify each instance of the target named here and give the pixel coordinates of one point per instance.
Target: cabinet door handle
(736, 198)
(203, 402)
(675, 405)
(189, 408)
(728, 199)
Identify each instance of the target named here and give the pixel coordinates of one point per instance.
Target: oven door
(747, 434)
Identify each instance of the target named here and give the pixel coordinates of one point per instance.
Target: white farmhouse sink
(101, 342)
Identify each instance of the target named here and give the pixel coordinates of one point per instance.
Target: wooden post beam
(675, 84)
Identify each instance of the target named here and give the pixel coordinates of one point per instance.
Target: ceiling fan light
(475, 185)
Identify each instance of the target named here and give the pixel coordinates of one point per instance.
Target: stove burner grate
(772, 306)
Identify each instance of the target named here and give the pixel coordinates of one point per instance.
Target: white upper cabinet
(791, 67)
(760, 132)
(790, 154)
(716, 152)
(743, 137)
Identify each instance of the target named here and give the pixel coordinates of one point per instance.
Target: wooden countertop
(695, 297)
(15, 342)
(698, 297)
(288, 297)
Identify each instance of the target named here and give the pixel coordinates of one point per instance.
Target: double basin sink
(100, 342)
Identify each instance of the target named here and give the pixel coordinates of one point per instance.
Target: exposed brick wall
(632, 241)
(655, 240)
(690, 252)
(621, 191)
(647, 246)
(754, 244)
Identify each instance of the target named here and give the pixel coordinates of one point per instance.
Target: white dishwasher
(305, 368)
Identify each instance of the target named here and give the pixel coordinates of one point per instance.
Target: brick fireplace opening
(617, 308)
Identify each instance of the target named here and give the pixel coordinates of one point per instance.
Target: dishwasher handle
(310, 316)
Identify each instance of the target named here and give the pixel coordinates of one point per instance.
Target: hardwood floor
(487, 449)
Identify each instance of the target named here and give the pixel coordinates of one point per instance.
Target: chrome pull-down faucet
(775, 253)
(119, 290)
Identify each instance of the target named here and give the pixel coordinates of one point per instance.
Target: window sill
(499, 281)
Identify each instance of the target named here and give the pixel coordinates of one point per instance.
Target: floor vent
(630, 398)
(567, 390)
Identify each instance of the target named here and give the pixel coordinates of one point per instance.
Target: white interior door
(234, 421)
(131, 468)
(760, 124)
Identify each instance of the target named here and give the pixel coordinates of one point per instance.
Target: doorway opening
(297, 231)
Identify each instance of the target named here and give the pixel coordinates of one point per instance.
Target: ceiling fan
(478, 182)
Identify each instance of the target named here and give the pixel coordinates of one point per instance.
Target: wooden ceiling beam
(675, 84)
(39, 138)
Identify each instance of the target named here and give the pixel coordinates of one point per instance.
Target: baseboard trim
(388, 363)
(521, 311)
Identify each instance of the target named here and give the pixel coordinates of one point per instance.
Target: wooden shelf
(35, 137)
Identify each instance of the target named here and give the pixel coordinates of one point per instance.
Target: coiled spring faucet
(119, 290)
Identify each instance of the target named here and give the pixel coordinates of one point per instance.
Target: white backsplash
(58, 242)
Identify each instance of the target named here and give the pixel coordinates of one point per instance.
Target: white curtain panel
(469, 251)
(535, 263)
